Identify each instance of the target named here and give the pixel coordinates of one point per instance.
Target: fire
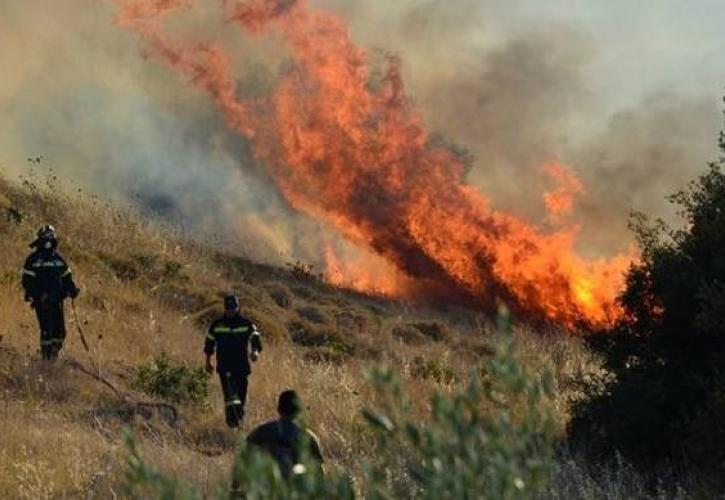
(356, 154)
(365, 274)
(560, 202)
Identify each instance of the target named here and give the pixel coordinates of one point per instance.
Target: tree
(669, 349)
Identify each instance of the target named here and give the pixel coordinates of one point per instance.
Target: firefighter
(283, 438)
(231, 336)
(48, 281)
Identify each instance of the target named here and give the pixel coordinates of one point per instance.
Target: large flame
(353, 151)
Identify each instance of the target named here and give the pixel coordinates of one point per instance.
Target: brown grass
(146, 290)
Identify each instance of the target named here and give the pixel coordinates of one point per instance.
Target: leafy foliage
(491, 438)
(668, 351)
(172, 381)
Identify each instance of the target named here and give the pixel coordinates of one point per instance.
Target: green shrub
(306, 334)
(492, 438)
(313, 314)
(479, 442)
(669, 349)
(147, 265)
(171, 381)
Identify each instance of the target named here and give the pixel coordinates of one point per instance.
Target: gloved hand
(74, 292)
(254, 356)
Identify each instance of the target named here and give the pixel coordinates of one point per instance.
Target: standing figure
(48, 281)
(231, 336)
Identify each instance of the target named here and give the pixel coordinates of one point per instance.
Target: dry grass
(145, 290)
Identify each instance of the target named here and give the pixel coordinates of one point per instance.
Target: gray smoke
(517, 85)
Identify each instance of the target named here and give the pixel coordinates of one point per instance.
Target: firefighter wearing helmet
(232, 336)
(48, 281)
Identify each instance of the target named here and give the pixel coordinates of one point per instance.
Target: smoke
(640, 156)
(515, 93)
(76, 90)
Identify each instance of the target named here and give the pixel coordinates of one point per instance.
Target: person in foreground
(231, 336)
(283, 438)
(47, 281)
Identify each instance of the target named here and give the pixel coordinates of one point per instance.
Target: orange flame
(364, 274)
(357, 155)
(560, 202)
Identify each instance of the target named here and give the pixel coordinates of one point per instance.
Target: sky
(626, 93)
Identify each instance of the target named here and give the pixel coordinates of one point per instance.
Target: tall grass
(146, 290)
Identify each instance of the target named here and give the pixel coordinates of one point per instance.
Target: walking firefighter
(231, 336)
(48, 281)
(285, 439)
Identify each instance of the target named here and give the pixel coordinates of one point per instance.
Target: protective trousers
(234, 387)
(52, 328)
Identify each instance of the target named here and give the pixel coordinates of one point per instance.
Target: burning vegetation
(346, 146)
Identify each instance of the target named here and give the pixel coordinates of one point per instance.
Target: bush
(313, 314)
(668, 351)
(281, 296)
(434, 330)
(171, 381)
(492, 438)
(408, 334)
(308, 335)
(351, 322)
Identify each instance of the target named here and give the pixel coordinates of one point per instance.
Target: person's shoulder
(57, 259)
(312, 435)
(219, 320)
(33, 255)
(270, 425)
(263, 432)
(240, 320)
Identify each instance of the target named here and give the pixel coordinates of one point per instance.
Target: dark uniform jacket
(47, 277)
(283, 439)
(230, 337)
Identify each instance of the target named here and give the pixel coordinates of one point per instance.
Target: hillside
(146, 291)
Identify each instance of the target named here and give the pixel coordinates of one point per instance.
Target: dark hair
(289, 404)
(231, 302)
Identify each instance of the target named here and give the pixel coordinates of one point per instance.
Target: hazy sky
(640, 46)
(645, 45)
(627, 92)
